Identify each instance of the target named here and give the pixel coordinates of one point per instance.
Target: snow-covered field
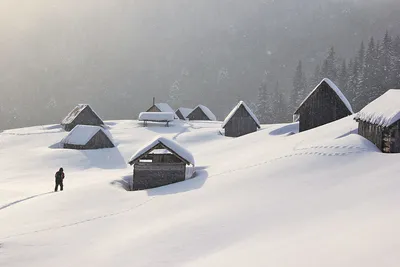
(325, 197)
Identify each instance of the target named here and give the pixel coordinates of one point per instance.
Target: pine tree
(175, 94)
(316, 78)
(395, 75)
(343, 77)
(369, 74)
(263, 105)
(385, 57)
(278, 105)
(329, 69)
(332, 69)
(299, 87)
(352, 83)
(360, 65)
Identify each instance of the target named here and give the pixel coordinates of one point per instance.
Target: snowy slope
(324, 197)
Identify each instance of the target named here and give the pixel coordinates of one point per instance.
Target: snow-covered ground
(325, 197)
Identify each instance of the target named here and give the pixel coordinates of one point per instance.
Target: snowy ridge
(178, 149)
(241, 103)
(207, 111)
(185, 111)
(81, 134)
(335, 89)
(383, 111)
(156, 116)
(252, 201)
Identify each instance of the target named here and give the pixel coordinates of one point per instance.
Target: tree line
(374, 69)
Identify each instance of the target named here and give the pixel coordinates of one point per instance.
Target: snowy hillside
(325, 197)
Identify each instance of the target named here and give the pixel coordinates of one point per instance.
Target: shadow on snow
(194, 183)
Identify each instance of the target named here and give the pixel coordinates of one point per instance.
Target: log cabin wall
(148, 175)
(322, 107)
(197, 115)
(240, 124)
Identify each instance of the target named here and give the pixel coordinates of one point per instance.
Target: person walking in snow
(59, 179)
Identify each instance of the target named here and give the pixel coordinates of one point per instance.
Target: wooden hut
(379, 122)
(325, 104)
(201, 113)
(240, 121)
(159, 163)
(82, 114)
(87, 137)
(182, 113)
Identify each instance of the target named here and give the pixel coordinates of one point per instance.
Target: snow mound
(156, 116)
(383, 111)
(235, 109)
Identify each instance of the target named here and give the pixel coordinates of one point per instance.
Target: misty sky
(117, 55)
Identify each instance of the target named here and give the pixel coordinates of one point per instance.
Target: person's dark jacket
(59, 176)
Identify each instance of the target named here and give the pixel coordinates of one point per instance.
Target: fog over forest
(116, 55)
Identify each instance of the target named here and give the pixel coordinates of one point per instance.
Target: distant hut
(325, 104)
(82, 114)
(182, 113)
(87, 137)
(159, 163)
(240, 121)
(201, 113)
(379, 122)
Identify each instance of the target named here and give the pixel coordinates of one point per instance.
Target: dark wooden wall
(153, 108)
(371, 132)
(99, 140)
(179, 114)
(85, 117)
(240, 124)
(148, 175)
(197, 115)
(387, 139)
(395, 148)
(322, 107)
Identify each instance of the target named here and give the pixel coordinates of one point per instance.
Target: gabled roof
(75, 112)
(334, 88)
(164, 107)
(81, 134)
(206, 111)
(170, 145)
(383, 111)
(235, 109)
(184, 111)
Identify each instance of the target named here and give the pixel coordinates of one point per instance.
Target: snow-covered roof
(383, 111)
(235, 109)
(169, 144)
(75, 112)
(164, 107)
(334, 88)
(207, 112)
(81, 134)
(157, 116)
(184, 111)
